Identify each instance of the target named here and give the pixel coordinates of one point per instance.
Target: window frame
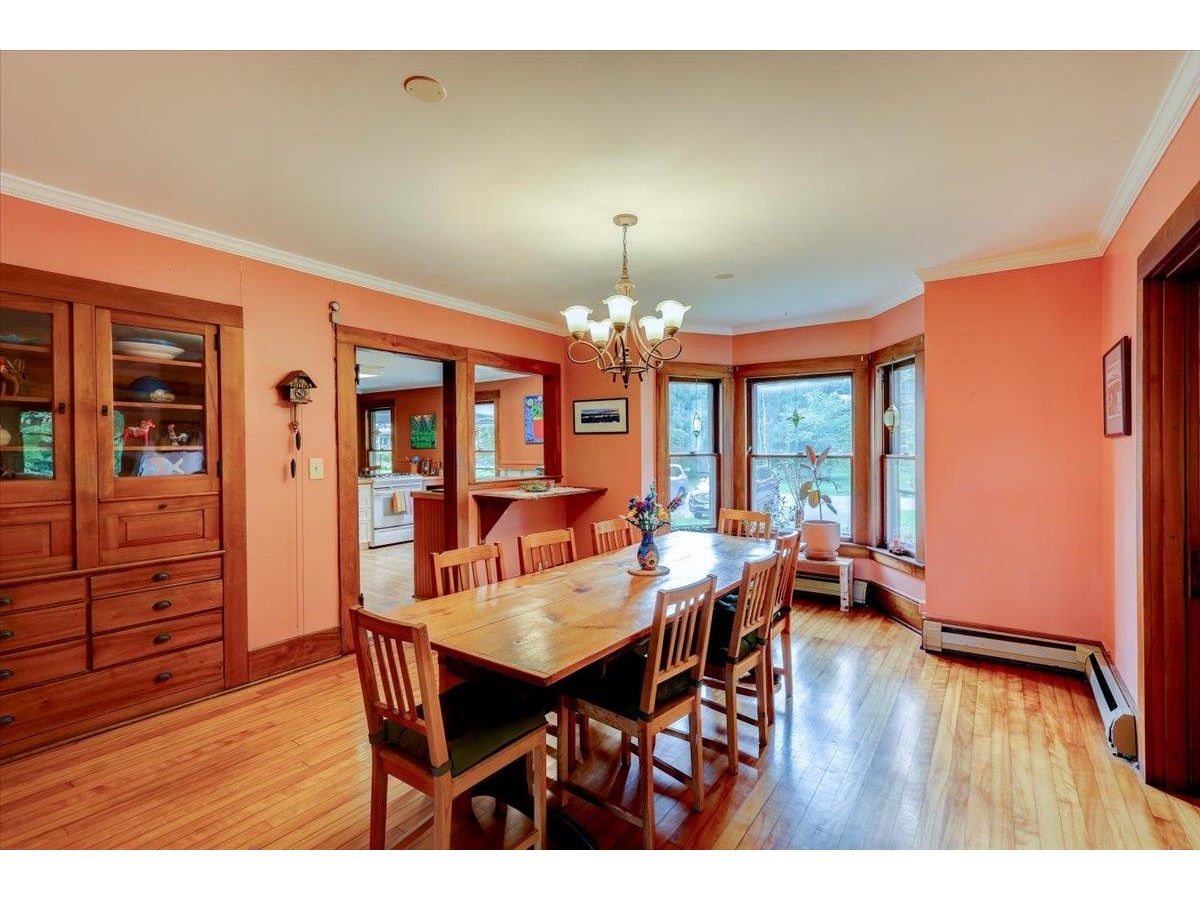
(857, 368)
(390, 409)
(882, 362)
(721, 378)
(481, 397)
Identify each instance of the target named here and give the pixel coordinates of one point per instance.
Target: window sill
(905, 564)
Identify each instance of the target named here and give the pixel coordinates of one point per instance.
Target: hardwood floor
(882, 746)
(386, 576)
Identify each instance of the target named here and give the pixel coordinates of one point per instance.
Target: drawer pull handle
(6, 601)
(7, 720)
(162, 506)
(162, 677)
(7, 633)
(62, 409)
(162, 604)
(6, 673)
(160, 576)
(104, 410)
(161, 638)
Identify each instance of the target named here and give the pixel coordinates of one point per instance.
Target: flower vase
(647, 552)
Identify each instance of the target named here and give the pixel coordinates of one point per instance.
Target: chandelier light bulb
(672, 315)
(653, 326)
(577, 320)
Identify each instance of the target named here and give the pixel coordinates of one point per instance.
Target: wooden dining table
(543, 627)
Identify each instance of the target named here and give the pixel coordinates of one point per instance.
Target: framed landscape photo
(602, 416)
(1118, 414)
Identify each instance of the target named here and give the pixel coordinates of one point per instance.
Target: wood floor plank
(882, 745)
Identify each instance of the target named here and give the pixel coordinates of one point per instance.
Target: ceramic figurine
(12, 374)
(176, 437)
(141, 431)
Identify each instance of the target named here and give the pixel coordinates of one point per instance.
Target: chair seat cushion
(617, 686)
(724, 611)
(480, 717)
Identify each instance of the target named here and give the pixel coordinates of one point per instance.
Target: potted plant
(822, 536)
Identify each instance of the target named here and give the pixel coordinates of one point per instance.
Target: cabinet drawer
(163, 575)
(29, 667)
(144, 529)
(41, 593)
(81, 704)
(158, 637)
(37, 539)
(153, 606)
(19, 630)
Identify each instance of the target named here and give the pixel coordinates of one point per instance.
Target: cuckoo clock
(296, 389)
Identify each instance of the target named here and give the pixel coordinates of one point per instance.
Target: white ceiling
(823, 180)
(381, 370)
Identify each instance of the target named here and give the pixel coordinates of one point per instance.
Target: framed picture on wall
(607, 416)
(1118, 414)
(535, 431)
(423, 431)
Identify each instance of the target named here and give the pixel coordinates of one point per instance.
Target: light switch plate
(316, 469)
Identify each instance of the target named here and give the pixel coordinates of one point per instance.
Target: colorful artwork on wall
(535, 431)
(423, 431)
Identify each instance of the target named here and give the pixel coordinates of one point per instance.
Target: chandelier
(616, 344)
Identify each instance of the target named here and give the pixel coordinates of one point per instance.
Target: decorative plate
(150, 349)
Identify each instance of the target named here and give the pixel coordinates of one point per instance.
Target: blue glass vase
(647, 552)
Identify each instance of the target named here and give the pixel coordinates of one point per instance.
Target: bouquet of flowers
(647, 514)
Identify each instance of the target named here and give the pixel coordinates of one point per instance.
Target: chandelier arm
(595, 357)
(658, 353)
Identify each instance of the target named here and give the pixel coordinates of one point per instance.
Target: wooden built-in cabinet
(122, 557)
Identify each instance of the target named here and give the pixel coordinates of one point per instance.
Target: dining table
(545, 626)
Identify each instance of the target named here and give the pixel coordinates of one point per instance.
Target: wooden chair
(641, 698)
(611, 534)
(740, 644)
(466, 568)
(546, 549)
(788, 546)
(442, 745)
(744, 523)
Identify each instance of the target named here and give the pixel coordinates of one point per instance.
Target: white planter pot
(822, 538)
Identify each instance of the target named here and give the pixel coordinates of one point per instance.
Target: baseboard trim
(906, 610)
(295, 653)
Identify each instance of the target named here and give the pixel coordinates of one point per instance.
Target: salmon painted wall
(1176, 174)
(514, 452)
(405, 405)
(1013, 450)
(291, 524)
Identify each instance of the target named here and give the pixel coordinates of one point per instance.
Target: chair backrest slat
(611, 534)
(785, 585)
(467, 568)
(678, 637)
(546, 549)
(756, 597)
(386, 678)
(744, 523)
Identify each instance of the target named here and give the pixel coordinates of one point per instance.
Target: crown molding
(849, 315)
(48, 195)
(1176, 103)
(1049, 256)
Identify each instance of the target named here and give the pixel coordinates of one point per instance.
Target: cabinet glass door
(157, 380)
(35, 463)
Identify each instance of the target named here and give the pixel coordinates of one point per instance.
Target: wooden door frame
(456, 381)
(1172, 255)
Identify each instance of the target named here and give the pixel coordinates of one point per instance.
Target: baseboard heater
(822, 584)
(1089, 660)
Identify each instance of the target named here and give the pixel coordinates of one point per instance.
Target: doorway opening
(400, 445)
